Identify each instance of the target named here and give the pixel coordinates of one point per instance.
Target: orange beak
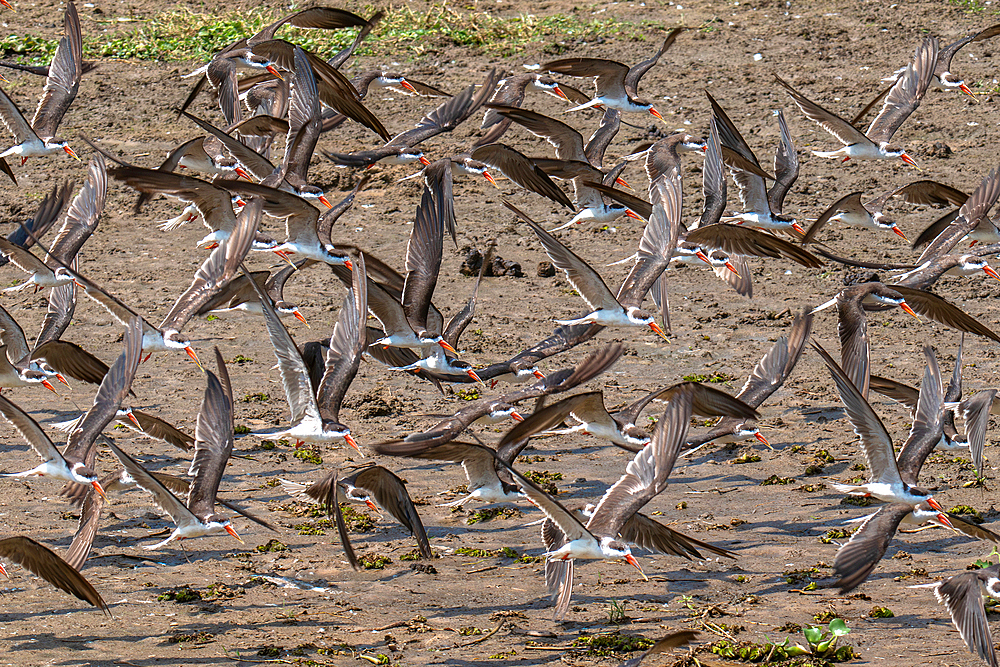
(406, 85)
(964, 88)
(348, 264)
(423, 160)
(11, 8)
(273, 70)
(447, 346)
(2, 570)
(194, 357)
(621, 181)
(629, 213)
(372, 506)
(242, 173)
(516, 417)
(703, 257)
(232, 531)
(59, 376)
(943, 518)
(297, 315)
(283, 255)
(630, 559)
(2, 77)
(906, 307)
(657, 114)
(990, 272)
(935, 504)
(325, 201)
(899, 232)
(729, 265)
(352, 442)
(538, 374)
(48, 385)
(212, 246)
(908, 160)
(761, 438)
(557, 90)
(656, 327)
(474, 376)
(797, 227)
(99, 489)
(489, 177)
(71, 152)
(845, 159)
(135, 421)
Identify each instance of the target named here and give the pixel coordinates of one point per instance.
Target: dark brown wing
(345, 540)
(389, 491)
(518, 168)
(83, 214)
(216, 272)
(852, 200)
(589, 405)
(777, 364)
(114, 388)
(897, 391)
(347, 344)
(962, 597)
(71, 360)
(158, 429)
(845, 133)
(928, 422)
(856, 559)
(213, 446)
(945, 312)
(423, 261)
(657, 245)
(786, 167)
(63, 81)
(90, 518)
(713, 180)
(906, 94)
(335, 90)
(636, 72)
(45, 563)
(736, 239)
(59, 314)
(650, 534)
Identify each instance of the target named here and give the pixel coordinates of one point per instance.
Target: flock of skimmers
(283, 90)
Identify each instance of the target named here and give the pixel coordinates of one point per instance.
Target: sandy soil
(305, 603)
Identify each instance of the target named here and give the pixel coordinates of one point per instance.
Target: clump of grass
(470, 394)
(182, 594)
(714, 378)
(314, 528)
(196, 638)
(836, 534)
(611, 645)
(858, 501)
(219, 590)
(881, 612)
(749, 457)
(490, 513)
(357, 522)
(545, 479)
(186, 35)
(374, 561)
(240, 429)
(774, 479)
(504, 552)
(309, 456)
(259, 397)
(272, 546)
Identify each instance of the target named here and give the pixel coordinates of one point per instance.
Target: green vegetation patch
(611, 645)
(182, 594)
(186, 35)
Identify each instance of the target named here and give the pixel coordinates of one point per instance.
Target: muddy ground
(304, 603)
